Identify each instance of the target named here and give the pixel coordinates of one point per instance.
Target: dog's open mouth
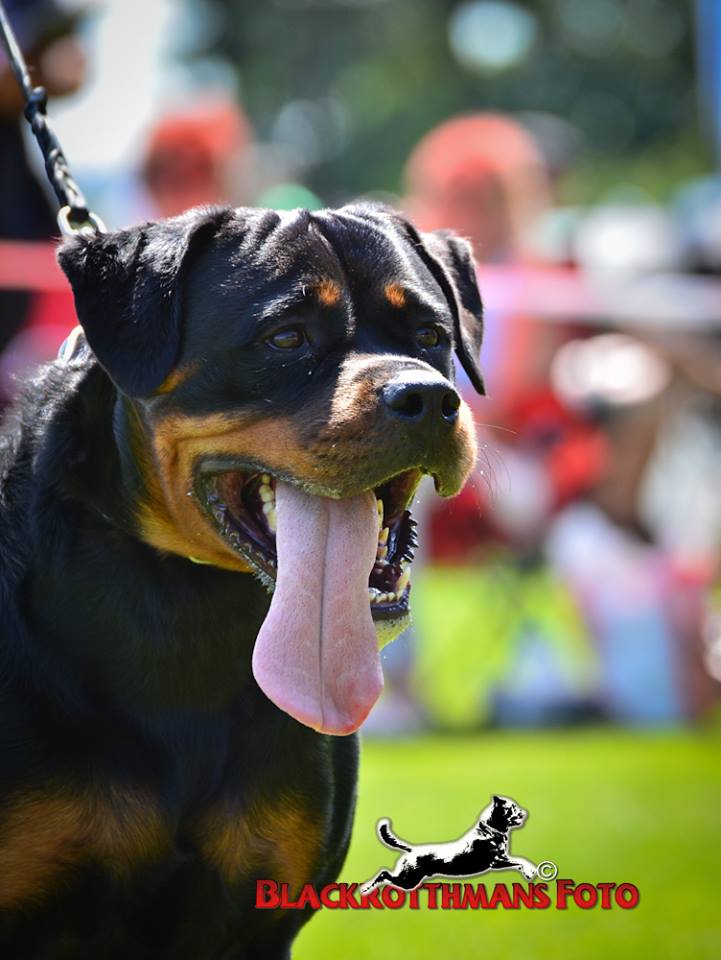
(242, 508)
(339, 571)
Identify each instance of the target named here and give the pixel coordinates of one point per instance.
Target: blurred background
(567, 640)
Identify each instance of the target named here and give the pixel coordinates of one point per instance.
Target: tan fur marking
(45, 833)
(395, 295)
(355, 397)
(328, 293)
(279, 838)
(170, 519)
(173, 380)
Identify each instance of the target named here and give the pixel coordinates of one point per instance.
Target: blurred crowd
(590, 540)
(576, 577)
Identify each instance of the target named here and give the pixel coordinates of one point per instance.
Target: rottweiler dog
(484, 847)
(248, 411)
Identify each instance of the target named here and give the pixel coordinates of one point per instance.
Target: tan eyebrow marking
(328, 292)
(395, 295)
(174, 379)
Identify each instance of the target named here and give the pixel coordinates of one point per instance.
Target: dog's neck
(183, 638)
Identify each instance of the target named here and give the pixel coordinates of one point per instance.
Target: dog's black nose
(420, 397)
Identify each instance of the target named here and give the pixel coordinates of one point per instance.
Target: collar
(490, 829)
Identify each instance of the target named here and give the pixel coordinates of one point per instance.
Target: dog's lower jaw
(388, 630)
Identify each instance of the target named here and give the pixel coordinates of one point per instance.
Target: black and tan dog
(255, 392)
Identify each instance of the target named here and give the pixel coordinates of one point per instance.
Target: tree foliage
(372, 76)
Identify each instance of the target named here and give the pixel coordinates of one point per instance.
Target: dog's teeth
(383, 537)
(271, 516)
(379, 511)
(265, 478)
(266, 493)
(373, 593)
(382, 553)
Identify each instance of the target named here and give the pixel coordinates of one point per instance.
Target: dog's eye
(290, 339)
(428, 336)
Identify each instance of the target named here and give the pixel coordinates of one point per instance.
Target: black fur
(126, 669)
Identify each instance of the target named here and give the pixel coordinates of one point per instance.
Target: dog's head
(286, 379)
(503, 814)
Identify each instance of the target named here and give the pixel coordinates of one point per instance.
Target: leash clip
(88, 227)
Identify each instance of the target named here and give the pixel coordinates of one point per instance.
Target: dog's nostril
(408, 403)
(450, 405)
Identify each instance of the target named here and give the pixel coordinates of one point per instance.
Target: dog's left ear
(450, 259)
(128, 297)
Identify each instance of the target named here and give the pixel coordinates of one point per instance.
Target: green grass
(604, 805)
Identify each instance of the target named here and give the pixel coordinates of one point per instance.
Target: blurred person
(515, 651)
(559, 468)
(46, 33)
(196, 156)
(32, 325)
(641, 597)
(484, 176)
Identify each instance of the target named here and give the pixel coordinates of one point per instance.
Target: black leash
(74, 215)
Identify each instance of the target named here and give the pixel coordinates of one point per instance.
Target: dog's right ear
(128, 297)
(457, 277)
(449, 259)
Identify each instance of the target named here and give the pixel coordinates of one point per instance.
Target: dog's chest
(49, 835)
(280, 838)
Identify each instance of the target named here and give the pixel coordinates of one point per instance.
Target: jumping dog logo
(483, 848)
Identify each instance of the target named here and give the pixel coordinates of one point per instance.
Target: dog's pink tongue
(316, 656)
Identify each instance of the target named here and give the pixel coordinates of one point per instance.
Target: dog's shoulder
(43, 435)
(49, 411)
(41, 399)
